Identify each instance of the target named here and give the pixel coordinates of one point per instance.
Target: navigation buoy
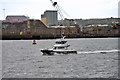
(34, 42)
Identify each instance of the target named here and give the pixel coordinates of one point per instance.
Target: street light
(4, 13)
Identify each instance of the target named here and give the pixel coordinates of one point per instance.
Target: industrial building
(16, 18)
(50, 18)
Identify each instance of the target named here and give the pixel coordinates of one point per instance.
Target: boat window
(62, 42)
(61, 47)
(54, 47)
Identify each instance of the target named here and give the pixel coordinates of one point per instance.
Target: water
(96, 58)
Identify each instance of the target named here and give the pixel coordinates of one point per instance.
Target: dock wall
(48, 33)
(35, 29)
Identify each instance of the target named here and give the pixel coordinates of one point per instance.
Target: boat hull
(66, 52)
(47, 52)
(52, 52)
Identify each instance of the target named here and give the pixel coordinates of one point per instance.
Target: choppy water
(96, 58)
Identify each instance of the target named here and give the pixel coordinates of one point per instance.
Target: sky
(72, 9)
(119, 9)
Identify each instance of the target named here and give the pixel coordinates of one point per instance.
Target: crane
(59, 11)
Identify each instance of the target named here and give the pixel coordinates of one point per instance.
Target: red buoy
(34, 42)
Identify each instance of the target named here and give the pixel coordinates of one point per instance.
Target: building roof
(16, 16)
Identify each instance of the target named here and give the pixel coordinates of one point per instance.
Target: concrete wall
(21, 25)
(35, 23)
(36, 29)
(85, 22)
(17, 25)
(38, 32)
(102, 31)
(51, 17)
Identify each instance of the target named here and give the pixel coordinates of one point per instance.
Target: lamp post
(4, 13)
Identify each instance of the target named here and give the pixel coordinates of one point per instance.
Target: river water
(96, 58)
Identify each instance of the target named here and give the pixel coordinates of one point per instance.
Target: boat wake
(100, 51)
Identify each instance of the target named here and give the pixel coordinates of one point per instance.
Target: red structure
(16, 18)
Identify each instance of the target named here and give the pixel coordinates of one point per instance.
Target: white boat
(60, 47)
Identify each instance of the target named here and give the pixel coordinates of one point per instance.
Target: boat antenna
(63, 35)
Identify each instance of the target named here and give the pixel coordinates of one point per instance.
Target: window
(60, 47)
(62, 42)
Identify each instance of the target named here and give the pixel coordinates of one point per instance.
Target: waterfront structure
(31, 23)
(16, 18)
(50, 18)
(87, 22)
(44, 20)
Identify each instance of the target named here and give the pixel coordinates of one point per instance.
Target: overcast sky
(84, 9)
(119, 9)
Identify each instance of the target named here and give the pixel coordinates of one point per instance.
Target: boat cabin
(60, 48)
(61, 42)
